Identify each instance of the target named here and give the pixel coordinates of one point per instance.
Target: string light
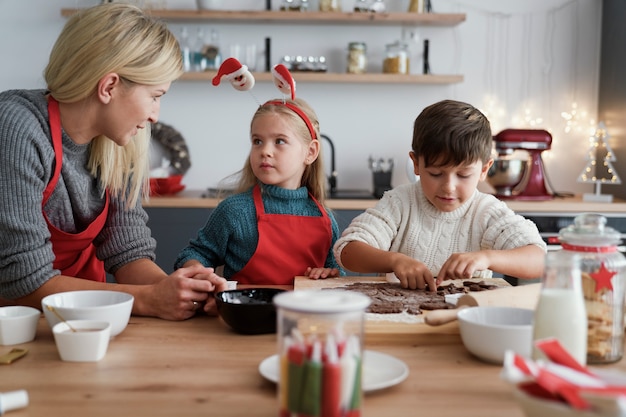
(598, 142)
(528, 120)
(575, 120)
(494, 111)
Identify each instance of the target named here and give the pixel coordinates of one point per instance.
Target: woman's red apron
(287, 245)
(75, 252)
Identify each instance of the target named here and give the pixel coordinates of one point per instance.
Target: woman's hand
(187, 290)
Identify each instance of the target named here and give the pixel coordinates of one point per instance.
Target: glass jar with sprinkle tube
(320, 351)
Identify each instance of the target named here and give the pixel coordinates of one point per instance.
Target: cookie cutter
(13, 355)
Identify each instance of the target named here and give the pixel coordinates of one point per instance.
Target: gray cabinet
(172, 228)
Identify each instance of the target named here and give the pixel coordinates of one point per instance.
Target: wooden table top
(199, 367)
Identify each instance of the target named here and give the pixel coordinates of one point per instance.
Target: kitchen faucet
(332, 178)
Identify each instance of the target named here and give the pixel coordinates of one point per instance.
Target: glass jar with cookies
(603, 270)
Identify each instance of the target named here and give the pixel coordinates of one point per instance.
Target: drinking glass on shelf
(246, 54)
(251, 57)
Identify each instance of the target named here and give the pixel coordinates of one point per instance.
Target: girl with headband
(276, 226)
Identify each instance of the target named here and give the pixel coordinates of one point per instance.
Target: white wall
(522, 61)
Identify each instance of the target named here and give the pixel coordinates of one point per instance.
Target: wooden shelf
(318, 18)
(324, 77)
(312, 17)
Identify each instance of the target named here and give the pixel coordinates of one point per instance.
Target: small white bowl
(18, 324)
(88, 343)
(112, 306)
(488, 331)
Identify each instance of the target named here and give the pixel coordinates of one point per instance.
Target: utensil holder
(382, 182)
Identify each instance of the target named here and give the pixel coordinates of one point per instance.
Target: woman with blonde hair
(276, 226)
(74, 168)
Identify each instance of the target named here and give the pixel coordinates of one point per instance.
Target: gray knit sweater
(26, 167)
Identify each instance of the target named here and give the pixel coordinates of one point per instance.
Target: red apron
(287, 245)
(75, 252)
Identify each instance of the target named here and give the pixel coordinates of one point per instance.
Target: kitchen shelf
(319, 18)
(324, 77)
(312, 17)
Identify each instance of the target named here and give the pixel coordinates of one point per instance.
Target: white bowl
(18, 324)
(111, 306)
(488, 331)
(88, 343)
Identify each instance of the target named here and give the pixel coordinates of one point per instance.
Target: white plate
(379, 370)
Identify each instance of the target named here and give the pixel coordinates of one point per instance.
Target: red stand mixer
(520, 179)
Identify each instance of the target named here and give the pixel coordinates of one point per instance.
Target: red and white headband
(241, 79)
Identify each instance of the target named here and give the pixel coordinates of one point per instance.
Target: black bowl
(249, 311)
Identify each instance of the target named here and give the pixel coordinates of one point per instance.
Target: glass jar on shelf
(361, 6)
(330, 5)
(357, 58)
(290, 5)
(378, 6)
(211, 57)
(416, 6)
(396, 58)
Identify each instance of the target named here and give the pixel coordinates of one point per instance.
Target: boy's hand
(463, 265)
(321, 273)
(413, 274)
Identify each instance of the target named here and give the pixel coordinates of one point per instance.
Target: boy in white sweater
(442, 227)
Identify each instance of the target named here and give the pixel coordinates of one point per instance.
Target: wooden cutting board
(377, 324)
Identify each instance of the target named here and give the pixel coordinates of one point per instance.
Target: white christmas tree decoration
(599, 169)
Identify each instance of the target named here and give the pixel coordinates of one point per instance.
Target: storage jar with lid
(320, 350)
(396, 58)
(357, 58)
(330, 5)
(603, 270)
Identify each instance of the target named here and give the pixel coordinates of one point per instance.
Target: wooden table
(199, 367)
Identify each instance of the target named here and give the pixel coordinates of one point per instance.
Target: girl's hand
(321, 273)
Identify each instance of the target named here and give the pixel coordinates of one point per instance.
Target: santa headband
(243, 80)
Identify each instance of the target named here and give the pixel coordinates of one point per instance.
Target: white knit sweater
(405, 221)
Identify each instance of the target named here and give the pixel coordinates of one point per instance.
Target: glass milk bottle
(603, 270)
(320, 346)
(560, 311)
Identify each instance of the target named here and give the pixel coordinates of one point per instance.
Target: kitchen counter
(194, 199)
(199, 367)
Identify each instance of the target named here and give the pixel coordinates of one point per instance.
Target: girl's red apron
(287, 245)
(75, 252)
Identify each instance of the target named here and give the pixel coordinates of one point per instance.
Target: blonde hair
(313, 177)
(119, 38)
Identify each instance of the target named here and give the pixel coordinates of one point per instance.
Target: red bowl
(167, 185)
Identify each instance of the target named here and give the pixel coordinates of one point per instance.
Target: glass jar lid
(589, 229)
(322, 301)
(397, 45)
(357, 45)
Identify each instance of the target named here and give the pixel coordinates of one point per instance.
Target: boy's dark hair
(452, 133)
